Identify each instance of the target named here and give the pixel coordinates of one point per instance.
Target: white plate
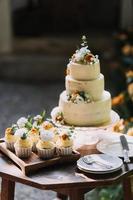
(103, 172)
(94, 168)
(114, 148)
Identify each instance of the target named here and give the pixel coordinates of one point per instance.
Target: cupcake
(45, 146)
(64, 144)
(10, 138)
(56, 134)
(33, 135)
(46, 125)
(23, 145)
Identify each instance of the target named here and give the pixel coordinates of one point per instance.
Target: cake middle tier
(86, 114)
(94, 88)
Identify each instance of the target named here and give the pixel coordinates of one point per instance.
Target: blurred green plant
(114, 192)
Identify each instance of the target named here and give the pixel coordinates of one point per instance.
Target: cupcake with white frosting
(46, 125)
(23, 145)
(46, 146)
(10, 137)
(64, 143)
(34, 136)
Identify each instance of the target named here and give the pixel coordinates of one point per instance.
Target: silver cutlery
(89, 160)
(125, 148)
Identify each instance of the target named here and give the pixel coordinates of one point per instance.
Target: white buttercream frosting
(46, 135)
(20, 132)
(84, 72)
(94, 87)
(22, 122)
(85, 114)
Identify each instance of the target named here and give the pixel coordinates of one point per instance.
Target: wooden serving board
(33, 163)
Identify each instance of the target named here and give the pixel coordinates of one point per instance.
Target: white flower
(81, 53)
(79, 56)
(55, 112)
(79, 99)
(35, 125)
(84, 50)
(21, 122)
(96, 56)
(46, 135)
(20, 132)
(38, 117)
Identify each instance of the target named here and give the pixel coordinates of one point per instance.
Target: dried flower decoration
(83, 55)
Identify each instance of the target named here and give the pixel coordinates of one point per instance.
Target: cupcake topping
(14, 128)
(46, 135)
(34, 131)
(9, 131)
(22, 122)
(39, 119)
(21, 132)
(24, 136)
(47, 125)
(65, 136)
(83, 55)
(65, 140)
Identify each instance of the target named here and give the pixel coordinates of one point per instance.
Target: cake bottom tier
(86, 114)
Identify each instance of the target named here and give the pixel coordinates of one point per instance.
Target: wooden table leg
(73, 194)
(76, 195)
(7, 189)
(127, 189)
(62, 196)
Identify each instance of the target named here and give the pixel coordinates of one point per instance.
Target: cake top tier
(83, 55)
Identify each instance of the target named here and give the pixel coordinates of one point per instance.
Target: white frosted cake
(84, 102)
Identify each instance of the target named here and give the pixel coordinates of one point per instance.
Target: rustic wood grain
(62, 197)
(34, 163)
(7, 189)
(127, 189)
(65, 179)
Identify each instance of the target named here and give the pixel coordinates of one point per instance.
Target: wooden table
(66, 180)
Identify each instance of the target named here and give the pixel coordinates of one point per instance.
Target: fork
(90, 160)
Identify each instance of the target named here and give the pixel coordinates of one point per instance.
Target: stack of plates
(115, 164)
(114, 148)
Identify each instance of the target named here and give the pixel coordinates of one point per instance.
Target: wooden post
(127, 189)
(5, 26)
(76, 195)
(7, 189)
(61, 196)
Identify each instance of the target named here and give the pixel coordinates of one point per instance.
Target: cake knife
(125, 148)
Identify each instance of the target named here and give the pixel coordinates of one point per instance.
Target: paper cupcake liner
(23, 152)
(64, 151)
(10, 146)
(46, 153)
(34, 148)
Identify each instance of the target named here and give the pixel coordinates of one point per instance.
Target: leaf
(43, 114)
(24, 136)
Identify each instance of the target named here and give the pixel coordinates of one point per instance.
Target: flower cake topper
(83, 55)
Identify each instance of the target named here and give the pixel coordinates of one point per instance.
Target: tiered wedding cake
(85, 102)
